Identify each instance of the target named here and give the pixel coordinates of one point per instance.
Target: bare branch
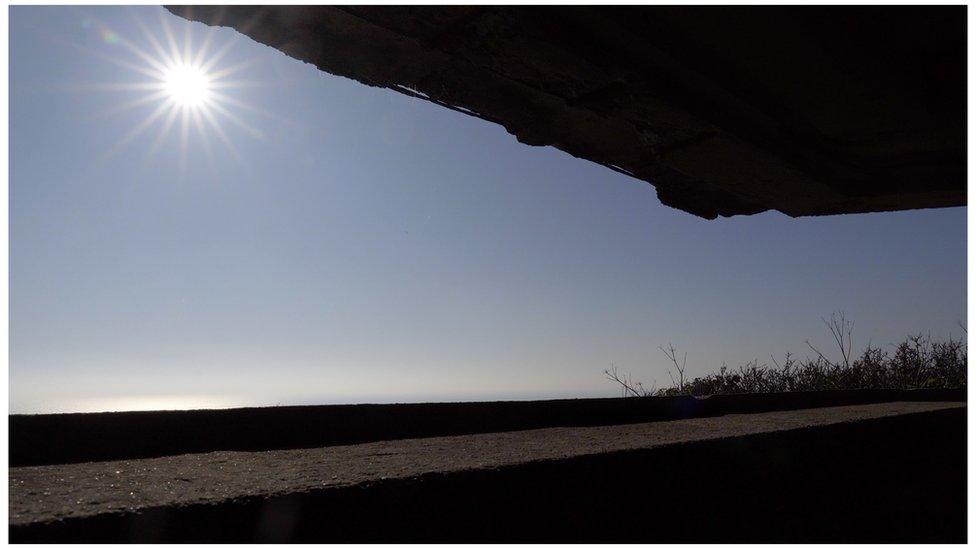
(627, 385)
(672, 355)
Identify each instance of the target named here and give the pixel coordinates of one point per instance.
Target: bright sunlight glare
(191, 89)
(187, 85)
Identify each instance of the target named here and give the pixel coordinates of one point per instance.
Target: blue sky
(364, 246)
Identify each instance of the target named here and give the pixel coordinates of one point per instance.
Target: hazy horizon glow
(197, 220)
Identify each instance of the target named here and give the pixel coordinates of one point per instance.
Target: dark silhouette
(918, 362)
(726, 110)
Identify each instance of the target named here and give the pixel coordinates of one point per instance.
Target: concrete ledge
(75, 438)
(886, 472)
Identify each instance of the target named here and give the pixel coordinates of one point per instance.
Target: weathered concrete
(45, 493)
(725, 110)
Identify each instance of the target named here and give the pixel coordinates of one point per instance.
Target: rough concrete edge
(367, 484)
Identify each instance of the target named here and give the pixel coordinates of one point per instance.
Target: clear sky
(333, 242)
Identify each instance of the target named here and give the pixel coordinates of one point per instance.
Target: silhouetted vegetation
(918, 362)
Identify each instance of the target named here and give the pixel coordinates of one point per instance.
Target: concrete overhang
(726, 110)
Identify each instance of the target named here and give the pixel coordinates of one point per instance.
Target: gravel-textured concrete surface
(59, 491)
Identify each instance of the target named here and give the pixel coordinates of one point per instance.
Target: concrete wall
(896, 479)
(72, 438)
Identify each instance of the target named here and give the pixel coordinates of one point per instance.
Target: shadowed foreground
(878, 472)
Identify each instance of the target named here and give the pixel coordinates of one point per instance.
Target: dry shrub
(919, 362)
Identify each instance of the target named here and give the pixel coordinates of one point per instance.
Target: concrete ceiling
(726, 110)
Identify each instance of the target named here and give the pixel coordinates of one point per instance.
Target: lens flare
(109, 37)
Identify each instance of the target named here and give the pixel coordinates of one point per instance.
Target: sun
(187, 85)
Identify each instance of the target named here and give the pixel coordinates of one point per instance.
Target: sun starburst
(189, 86)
